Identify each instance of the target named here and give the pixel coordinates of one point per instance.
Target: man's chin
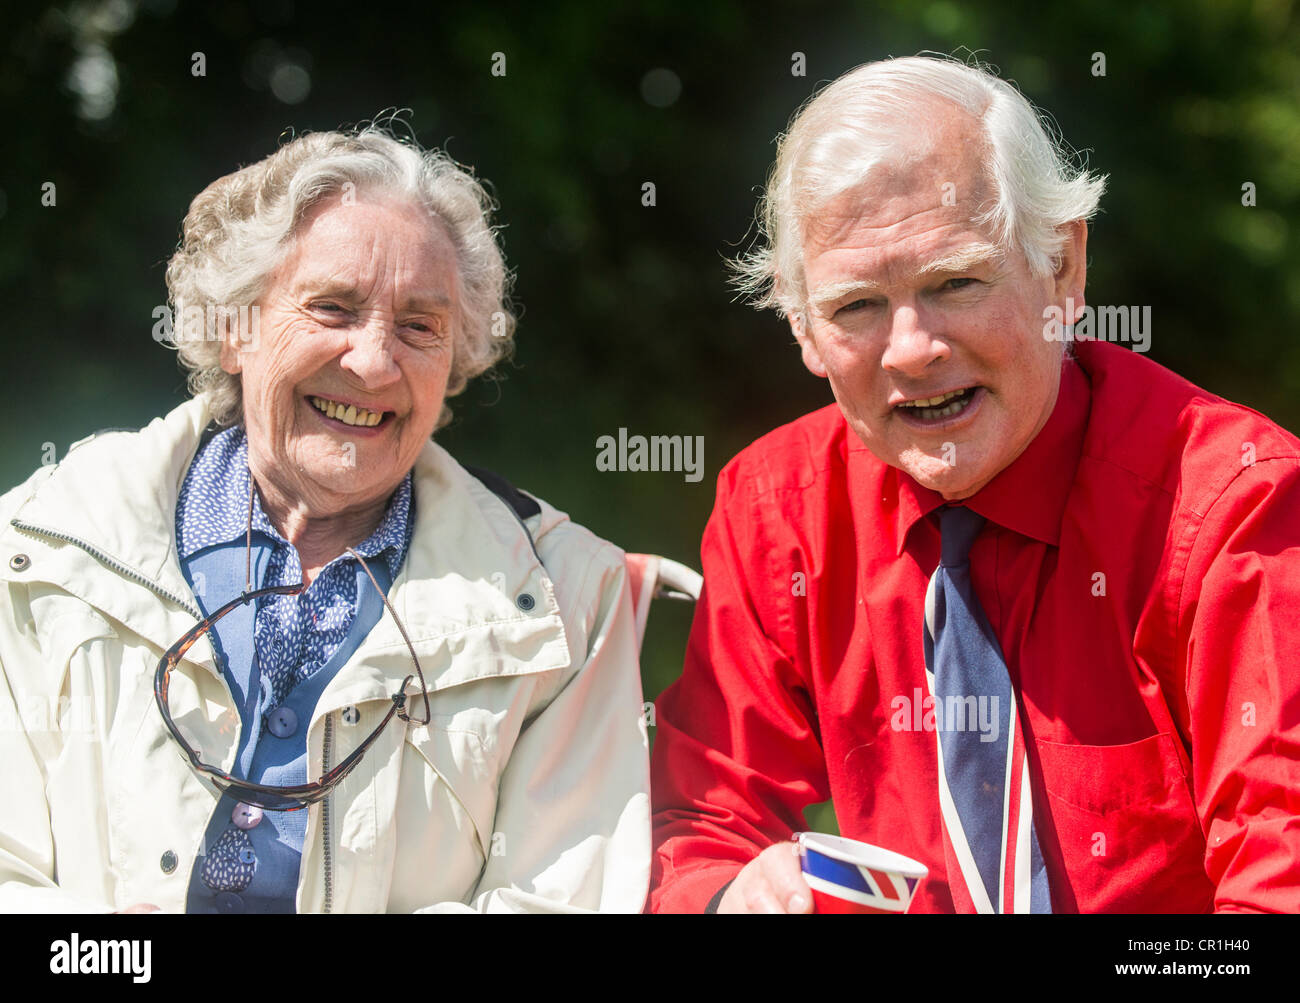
(939, 475)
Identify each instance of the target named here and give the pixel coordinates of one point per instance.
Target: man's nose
(369, 356)
(913, 345)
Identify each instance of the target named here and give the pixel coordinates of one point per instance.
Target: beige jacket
(527, 791)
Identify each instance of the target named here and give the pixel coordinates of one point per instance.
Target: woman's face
(356, 323)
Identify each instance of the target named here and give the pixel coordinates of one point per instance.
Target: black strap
(520, 504)
(712, 906)
(524, 506)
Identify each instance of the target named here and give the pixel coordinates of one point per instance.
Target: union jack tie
(984, 790)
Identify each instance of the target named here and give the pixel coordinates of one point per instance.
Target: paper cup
(847, 876)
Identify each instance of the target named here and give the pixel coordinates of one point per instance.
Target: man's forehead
(936, 163)
(918, 230)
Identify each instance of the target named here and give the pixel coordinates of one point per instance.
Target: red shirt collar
(1029, 495)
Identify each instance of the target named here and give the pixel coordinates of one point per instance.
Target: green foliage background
(627, 317)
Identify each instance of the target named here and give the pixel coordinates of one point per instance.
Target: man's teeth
(934, 405)
(348, 414)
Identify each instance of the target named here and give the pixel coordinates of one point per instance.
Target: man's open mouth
(940, 408)
(348, 414)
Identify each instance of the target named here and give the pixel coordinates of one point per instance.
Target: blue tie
(983, 772)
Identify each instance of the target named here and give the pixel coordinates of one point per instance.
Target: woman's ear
(231, 339)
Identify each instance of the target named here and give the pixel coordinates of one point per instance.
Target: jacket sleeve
(29, 741)
(1241, 634)
(572, 826)
(737, 754)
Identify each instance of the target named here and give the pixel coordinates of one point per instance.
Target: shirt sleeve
(737, 753)
(572, 827)
(1241, 624)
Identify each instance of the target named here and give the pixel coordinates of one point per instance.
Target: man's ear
(811, 357)
(1071, 275)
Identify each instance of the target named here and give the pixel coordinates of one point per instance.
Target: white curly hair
(239, 228)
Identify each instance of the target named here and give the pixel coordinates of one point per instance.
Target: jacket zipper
(113, 565)
(325, 813)
(134, 575)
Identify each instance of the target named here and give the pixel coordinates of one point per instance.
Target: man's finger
(785, 877)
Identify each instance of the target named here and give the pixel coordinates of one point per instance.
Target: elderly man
(410, 686)
(1025, 613)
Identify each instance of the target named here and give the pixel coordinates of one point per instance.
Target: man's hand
(771, 882)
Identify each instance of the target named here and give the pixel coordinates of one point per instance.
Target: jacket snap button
(167, 862)
(20, 562)
(525, 601)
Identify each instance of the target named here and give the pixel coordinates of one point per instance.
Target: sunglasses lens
(271, 802)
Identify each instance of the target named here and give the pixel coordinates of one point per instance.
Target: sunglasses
(266, 796)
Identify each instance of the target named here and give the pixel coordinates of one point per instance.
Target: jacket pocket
(1126, 826)
(444, 807)
(459, 762)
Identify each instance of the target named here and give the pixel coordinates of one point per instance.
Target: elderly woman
(278, 651)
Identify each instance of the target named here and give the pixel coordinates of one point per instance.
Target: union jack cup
(847, 876)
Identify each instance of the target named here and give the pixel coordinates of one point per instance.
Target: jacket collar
(101, 526)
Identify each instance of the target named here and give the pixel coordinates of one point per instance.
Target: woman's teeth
(349, 414)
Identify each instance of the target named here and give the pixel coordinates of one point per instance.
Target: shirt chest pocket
(1126, 826)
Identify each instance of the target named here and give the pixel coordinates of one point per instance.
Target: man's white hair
(860, 122)
(240, 227)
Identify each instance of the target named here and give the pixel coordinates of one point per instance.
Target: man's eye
(854, 306)
(961, 283)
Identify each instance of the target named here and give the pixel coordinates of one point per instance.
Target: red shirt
(1141, 569)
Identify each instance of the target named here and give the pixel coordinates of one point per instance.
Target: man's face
(908, 300)
(357, 318)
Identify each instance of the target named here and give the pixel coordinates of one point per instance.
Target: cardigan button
(20, 562)
(167, 862)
